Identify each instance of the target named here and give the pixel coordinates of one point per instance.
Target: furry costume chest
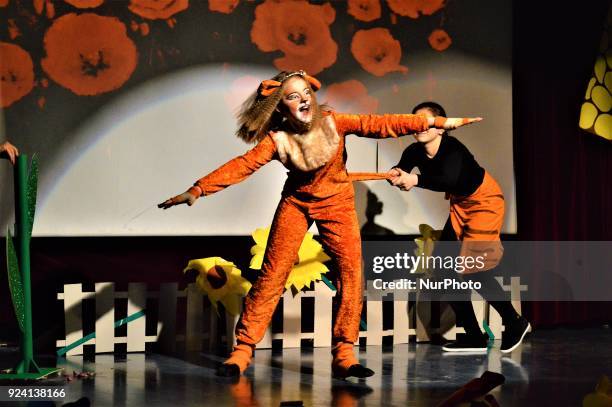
(307, 152)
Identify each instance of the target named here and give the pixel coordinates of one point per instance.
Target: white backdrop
(155, 142)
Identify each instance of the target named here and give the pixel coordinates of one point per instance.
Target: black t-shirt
(453, 169)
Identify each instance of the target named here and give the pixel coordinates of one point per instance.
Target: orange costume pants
(336, 220)
(477, 220)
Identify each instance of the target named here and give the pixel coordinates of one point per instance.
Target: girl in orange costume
(285, 120)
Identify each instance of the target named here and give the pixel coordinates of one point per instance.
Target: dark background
(563, 184)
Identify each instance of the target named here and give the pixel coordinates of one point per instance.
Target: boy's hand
(402, 179)
(394, 172)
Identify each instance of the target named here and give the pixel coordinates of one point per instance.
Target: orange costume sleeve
(237, 169)
(380, 126)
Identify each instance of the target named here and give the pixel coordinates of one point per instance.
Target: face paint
(297, 100)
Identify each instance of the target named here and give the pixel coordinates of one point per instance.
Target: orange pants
(477, 220)
(336, 220)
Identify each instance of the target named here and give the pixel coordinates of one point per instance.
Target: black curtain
(563, 174)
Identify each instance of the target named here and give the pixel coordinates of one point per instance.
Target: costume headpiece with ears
(268, 86)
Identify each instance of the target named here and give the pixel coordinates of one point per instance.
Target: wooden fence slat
(266, 342)
(292, 320)
(137, 302)
(167, 316)
(323, 315)
(494, 321)
(211, 320)
(230, 328)
(73, 311)
(374, 318)
(105, 317)
(193, 323)
(401, 320)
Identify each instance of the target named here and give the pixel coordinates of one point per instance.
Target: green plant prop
(18, 266)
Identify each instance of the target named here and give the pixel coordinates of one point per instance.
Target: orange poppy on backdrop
(12, 28)
(377, 51)
(350, 96)
(157, 9)
(413, 8)
(439, 40)
(223, 6)
(144, 29)
(89, 54)
(4, 3)
(16, 73)
(44, 5)
(300, 30)
(364, 10)
(39, 5)
(85, 3)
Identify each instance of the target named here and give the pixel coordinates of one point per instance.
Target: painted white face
(430, 134)
(297, 99)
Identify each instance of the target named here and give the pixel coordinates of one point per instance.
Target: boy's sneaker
(468, 343)
(513, 334)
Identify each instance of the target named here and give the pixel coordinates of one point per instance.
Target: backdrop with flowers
(127, 102)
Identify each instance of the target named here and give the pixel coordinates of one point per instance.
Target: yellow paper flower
(595, 115)
(425, 243)
(309, 267)
(602, 396)
(221, 281)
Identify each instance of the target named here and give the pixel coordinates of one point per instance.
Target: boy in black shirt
(476, 216)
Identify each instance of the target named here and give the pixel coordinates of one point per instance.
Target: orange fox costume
(477, 220)
(324, 195)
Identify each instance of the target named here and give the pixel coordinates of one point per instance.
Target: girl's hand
(450, 123)
(7, 150)
(453, 123)
(183, 198)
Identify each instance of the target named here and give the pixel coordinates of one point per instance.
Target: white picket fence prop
(202, 323)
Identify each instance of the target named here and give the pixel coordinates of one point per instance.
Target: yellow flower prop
(595, 113)
(425, 243)
(602, 396)
(221, 281)
(310, 265)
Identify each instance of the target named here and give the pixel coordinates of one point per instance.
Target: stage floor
(552, 367)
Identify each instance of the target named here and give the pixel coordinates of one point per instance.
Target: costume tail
(368, 176)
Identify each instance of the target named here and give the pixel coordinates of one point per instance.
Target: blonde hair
(260, 114)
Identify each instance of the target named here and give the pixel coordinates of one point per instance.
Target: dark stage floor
(552, 368)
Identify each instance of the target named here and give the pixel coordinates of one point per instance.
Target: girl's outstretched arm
(392, 125)
(230, 173)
